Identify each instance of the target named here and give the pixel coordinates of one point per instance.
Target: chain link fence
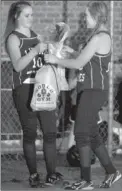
(11, 134)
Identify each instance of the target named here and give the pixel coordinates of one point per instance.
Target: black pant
(86, 129)
(22, 97)
(87, 132)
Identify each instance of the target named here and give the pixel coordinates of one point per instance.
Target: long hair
(13, 14)
(99, 12)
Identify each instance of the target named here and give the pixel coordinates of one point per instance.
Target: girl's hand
(66, 52)
(67, 49)
(50, 58)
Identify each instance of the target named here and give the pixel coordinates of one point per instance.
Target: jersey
(94, 75)
(27, 75)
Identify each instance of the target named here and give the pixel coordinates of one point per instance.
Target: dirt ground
(14, 174)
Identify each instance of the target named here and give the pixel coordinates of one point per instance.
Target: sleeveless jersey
(27, 75)
(94, 75)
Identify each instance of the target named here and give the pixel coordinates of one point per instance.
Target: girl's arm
(83, 58)
(19, 63)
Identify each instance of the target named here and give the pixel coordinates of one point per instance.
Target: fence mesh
(11, 134)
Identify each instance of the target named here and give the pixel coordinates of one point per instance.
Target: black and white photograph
(61, 95)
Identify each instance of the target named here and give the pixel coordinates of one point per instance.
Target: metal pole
(65, 11)
(110, 120)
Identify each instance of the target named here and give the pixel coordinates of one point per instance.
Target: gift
(50, 79)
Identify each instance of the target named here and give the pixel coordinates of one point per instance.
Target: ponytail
(10, 21)
(13, 14)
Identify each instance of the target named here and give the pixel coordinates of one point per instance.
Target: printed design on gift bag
(44, 93)
(81, 75)
(45, 97)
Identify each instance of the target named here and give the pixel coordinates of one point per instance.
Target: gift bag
(50, 79)
(46, 89)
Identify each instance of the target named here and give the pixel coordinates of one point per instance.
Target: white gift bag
(46, 89)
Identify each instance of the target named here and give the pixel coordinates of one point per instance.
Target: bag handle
(53, 68)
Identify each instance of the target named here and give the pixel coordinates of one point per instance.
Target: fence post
(65, 11)
(110, 120)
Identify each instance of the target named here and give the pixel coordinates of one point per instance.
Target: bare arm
(72, 53)
(83, 58)
(19, 63)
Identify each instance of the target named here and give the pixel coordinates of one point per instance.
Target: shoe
(34, 181)
(88, 186)
(82, 184)
(110, 179)
(53, 178)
